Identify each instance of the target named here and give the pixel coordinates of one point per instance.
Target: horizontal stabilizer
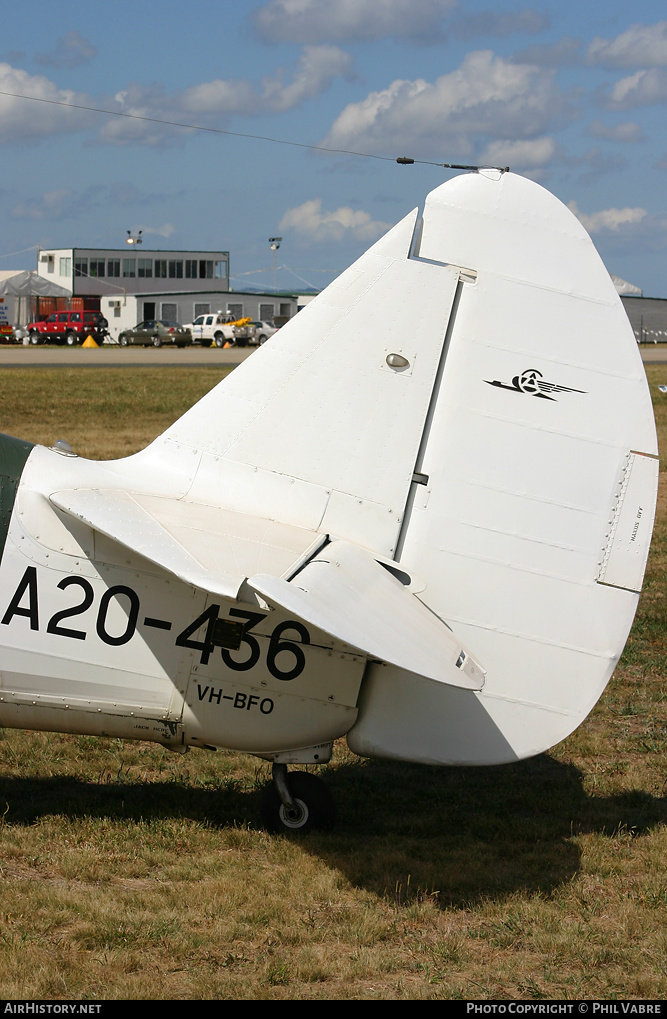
(348, 594)
(204, 546)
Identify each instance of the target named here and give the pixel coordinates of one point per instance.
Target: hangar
(21, 292)
(648, 318)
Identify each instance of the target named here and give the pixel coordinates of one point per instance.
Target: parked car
(219, 328)
(70, 327)
(263, 330)
(156, 332)
(212, 329)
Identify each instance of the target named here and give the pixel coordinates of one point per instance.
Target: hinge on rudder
(628, 534)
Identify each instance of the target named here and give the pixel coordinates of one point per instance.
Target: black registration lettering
(242, 701)
(285, 658)
(131, 625)
(279, 646)
(205, 646)
(29, 584)
(74, 610)
(252, 619)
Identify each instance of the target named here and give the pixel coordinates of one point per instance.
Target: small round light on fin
(63, 446)
(397, 361)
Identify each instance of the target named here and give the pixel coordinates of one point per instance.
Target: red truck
(70, 327)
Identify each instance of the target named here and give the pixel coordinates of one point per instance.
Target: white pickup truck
(218, 329)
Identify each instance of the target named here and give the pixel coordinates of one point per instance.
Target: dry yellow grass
(103, 413)
(128, 872)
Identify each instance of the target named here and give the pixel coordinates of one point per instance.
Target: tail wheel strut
(297, 802)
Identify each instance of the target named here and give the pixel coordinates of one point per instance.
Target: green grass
(129, 872)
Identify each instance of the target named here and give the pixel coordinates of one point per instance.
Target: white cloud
(533, 152)
(23, 119)
(311, 224)
(487, 98)
(141, 102)
(315, 21)
(644, 88)
(211, 103)
(219, 96)
(317, 69)
(608, 219)
(208, 104)
(639, 46)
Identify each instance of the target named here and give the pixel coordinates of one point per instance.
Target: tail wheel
(313, 807)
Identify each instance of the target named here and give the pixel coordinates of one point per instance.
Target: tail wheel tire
(314, 806)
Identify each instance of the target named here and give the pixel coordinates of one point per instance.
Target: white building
(135, 285)
(91, 271)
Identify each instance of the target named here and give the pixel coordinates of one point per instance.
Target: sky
(572, 95)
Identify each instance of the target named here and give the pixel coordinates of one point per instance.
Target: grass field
(130, 872)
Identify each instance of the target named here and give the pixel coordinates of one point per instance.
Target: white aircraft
(419, 518)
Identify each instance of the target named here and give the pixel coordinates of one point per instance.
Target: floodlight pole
(275, 244)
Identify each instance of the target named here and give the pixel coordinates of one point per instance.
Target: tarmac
(112, 356)
(654, 353)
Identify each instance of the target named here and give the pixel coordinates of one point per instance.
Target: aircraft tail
(468, 401)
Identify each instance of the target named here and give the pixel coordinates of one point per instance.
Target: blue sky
(572, 95)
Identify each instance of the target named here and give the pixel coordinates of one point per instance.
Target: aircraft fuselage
(98, 641)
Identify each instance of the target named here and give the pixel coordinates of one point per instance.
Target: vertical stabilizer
(322, 425)
(532, 532)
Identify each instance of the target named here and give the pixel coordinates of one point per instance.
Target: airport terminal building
(135, 285)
